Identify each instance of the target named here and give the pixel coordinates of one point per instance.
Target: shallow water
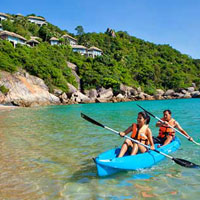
(46, 153)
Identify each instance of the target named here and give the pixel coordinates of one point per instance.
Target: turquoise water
(46, 153)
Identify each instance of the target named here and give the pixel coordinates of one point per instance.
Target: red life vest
(166, 130)
(137, 134)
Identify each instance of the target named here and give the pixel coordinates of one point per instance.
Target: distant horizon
(173, 23)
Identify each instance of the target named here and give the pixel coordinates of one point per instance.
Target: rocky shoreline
(126, 93)
(25, 90)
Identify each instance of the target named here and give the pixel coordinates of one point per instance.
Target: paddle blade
(185, 163)
(91, 120)
(146, 111)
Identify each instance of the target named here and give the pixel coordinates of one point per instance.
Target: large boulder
(79, 97)
(128, 91)
(92, 93)
(105, 93)
(75, 73)
(190, 89)
(169, 92)
(71, 90)
(195, 94)
(187, 95)
(159, 92)
(26, 90)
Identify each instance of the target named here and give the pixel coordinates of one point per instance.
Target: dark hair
(169, 111)
(145, 116)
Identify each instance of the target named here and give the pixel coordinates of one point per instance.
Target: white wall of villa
(93, 53)
(80, 49)
(54, 42)
(15, 40)
(12, 37)
(72, 41)
(37, 20)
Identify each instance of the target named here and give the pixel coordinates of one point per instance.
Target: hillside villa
(94, 51)
(37, 20)
(54, 41)
(18, 39)
(32, 42)
(72, 41)
(3, 16)
(12, 37)
(91, 52)
(80, 49)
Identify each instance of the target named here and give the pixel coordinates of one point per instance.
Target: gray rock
(92, 94)
(194, 85)
(187, 95)
(57, 92)
(159, 92)
(128, 91)
(74, 72)
(72, 89)
(190, 89)
(169, 92)
(183, 91)
(79, 97)
(195, 94)
(105, 93)
(26, 90)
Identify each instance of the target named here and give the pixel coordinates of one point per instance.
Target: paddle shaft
(178, 161)
(110, 129)
(116, 132)
(168, 124)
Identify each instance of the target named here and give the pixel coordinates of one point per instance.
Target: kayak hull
(107, 162)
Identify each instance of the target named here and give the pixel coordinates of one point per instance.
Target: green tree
(80, 30)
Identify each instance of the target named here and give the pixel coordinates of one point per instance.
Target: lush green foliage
(3, 89)
(135, 62)
(125, 59)
(45, 61)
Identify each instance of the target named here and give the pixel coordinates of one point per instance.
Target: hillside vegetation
(126, 59)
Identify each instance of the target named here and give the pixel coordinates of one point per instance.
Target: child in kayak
(140, 132)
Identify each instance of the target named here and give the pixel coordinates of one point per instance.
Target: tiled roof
(12, 34)
(32, 40)
(94, 48)
(78, 47)
(34, 17)
(69, 36)
(54, 38)
(3, 14)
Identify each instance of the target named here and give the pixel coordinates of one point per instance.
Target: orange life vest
(137, 135)
(166, 130)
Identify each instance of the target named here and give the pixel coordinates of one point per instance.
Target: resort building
(32, 42)
(54, 41)
(72, 41)
(19, 16)
(3, 16)
(12, 37)
(80, 49)
(37, 20)
(94, 51)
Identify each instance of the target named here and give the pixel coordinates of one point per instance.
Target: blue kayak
(107, 163)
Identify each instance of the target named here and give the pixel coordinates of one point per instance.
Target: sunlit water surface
(46, 153)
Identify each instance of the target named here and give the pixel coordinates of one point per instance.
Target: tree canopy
(126, 59)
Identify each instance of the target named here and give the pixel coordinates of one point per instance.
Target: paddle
(178, 161)
(168, 124)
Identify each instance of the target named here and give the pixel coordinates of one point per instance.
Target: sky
(173, 22)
